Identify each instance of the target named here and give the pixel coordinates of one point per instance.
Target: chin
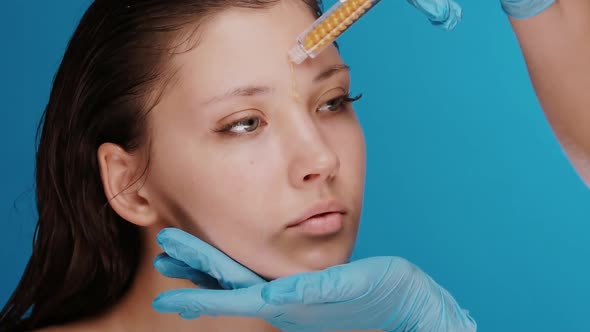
(324, 262)
(312, 262)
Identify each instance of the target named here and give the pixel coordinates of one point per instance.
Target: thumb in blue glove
(520, 9)
(187, 257)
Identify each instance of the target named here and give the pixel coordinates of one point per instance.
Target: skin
(239, 192)
(556, 47)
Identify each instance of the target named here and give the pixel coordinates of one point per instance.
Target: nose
(313, 161)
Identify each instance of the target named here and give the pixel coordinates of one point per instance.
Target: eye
(338, 103)
(243, 126)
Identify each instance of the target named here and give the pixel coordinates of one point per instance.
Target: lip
(320, 208)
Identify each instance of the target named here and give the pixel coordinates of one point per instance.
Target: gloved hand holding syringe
(327, 28)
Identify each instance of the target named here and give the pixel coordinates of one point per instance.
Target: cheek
(346, 137)
(234, 214)
(225, 190)
(221, 194)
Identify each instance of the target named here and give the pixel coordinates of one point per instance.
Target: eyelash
(340, 102)
(344, 100)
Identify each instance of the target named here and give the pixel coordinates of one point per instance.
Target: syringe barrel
(328, 27)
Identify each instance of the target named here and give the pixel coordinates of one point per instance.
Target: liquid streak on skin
(294, 92)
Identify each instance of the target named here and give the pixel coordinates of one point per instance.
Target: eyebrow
(331, 71)
(244, 91)
(255, 90)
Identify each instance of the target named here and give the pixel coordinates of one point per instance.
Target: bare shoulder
(52, 329)
(71, 327)
(60, 328)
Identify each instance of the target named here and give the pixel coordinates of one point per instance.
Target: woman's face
(242, 146)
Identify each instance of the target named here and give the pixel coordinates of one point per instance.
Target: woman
(133, 146)
(186, 114)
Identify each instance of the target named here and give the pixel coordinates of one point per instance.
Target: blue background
(465, 177)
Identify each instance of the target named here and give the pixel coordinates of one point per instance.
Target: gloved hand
(525, 8)
(444, 13)
(384, 293)
(187, 257)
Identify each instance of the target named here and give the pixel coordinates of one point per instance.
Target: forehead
(244, 44)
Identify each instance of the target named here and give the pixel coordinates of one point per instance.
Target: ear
(123, 180)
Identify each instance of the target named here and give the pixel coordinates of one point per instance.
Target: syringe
(326, 29)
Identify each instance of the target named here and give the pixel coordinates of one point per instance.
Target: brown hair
(114, 68)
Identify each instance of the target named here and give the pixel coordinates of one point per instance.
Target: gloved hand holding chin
(377, 293)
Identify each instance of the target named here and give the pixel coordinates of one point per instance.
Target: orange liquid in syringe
(333, 26)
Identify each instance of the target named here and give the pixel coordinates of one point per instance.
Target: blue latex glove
(443, 13)
(383, 293)
(187, 257)
(525, 8)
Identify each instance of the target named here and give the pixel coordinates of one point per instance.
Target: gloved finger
(173, 268)
(435, 299)
(444, 13)
(203, 257)
(333, 284)
(339, 283)
(245, 302)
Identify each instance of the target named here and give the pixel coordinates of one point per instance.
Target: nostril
(310, 177)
